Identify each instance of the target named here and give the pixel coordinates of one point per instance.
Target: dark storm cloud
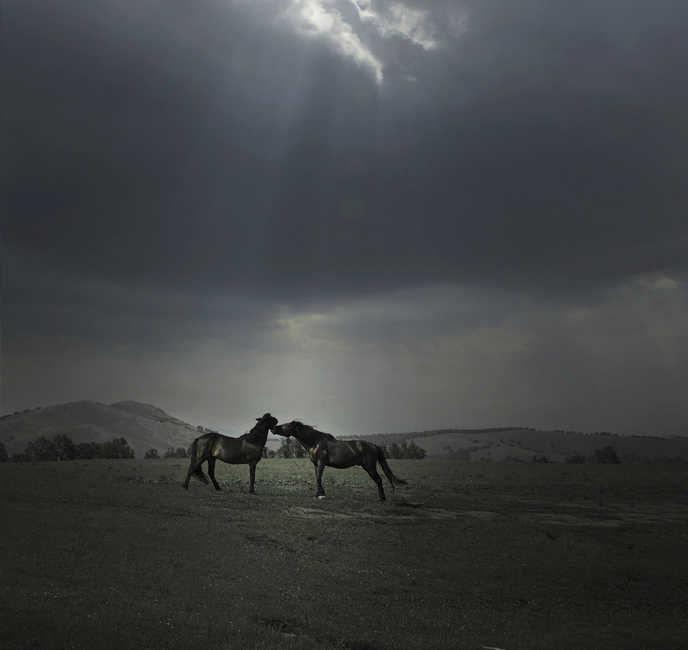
(210, 146)
(45, 311)
(397, 215)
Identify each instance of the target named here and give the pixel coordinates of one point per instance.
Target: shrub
(606, 456)
(290, 448)
(179, 452)
(406, 450)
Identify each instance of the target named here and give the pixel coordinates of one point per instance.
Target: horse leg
(252, 474)
(188, 476)
(378, 481)
(319, 469)
(192, 465)
(211, 472)
(194, 468)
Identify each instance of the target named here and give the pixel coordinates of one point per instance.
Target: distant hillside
(145, 426)
(142, 425)
(521, 444)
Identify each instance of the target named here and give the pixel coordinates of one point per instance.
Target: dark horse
(326, 451)
(247, 449)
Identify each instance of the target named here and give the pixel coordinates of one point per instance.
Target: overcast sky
(371, 215)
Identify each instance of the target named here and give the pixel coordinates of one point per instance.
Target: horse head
(286, 430)
(268, 421)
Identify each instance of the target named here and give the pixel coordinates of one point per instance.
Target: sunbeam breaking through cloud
(354, 28)
(396, 19)
(322, 18)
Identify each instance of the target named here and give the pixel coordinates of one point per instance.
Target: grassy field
(114, 554)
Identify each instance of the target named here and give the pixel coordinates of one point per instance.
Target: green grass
(114, 554)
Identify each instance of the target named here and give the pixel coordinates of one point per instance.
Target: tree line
(179, 452)
(62, 447)
(606, 456)
(290, 448)
(388, 438)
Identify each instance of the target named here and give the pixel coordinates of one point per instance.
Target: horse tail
(196, 465)
(385, 468)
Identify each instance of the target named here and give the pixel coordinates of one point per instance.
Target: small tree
(179, 452)
(152, 453)
(117, 448)
(414, 452)
(41, 449)
(607, 456)
(64, 447)
(290, 448)
(284, 450)
(87, 450)
(3, 453)
(299, 451)
(393, 451)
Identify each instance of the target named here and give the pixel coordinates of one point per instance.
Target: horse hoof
(320, 496)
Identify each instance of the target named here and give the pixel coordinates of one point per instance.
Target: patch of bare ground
(590, 517)
(443, 513)
(665, 513)
(572, 520)
(316, 513)
(417, 510)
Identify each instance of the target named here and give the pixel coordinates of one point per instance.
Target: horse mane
(318, 435)
(256, 435)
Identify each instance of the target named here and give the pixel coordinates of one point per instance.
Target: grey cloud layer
(355, 207)
(206, 149)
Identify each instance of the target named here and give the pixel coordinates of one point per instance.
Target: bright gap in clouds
(400, 20)
(354, 27)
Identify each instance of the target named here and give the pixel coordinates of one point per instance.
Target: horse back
(347, 453)
(236, 450)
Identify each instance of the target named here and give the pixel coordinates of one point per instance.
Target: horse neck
(258, 435)
(307, 436)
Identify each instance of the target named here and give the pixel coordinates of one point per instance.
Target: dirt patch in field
(663, 513)
(571, 520)
(611, 519)
(442, 513)
(432, 513)
(315, 513)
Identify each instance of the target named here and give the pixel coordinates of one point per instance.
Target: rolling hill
(145, 426)
(142, 425)
(521, 444)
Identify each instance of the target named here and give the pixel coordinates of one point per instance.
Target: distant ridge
(148, 411)
(144, 426)
(521, 444)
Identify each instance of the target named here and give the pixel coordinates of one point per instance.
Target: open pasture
(114, 554)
